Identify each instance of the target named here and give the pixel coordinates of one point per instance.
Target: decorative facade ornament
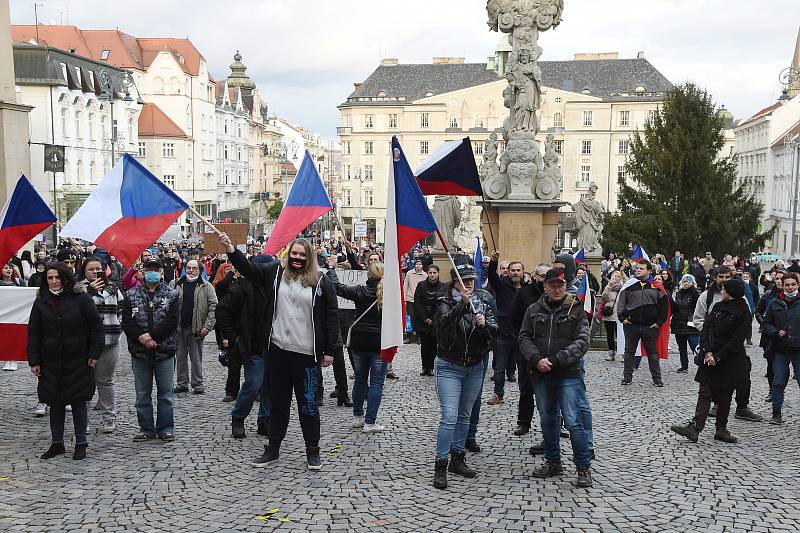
(495, 183)
(527, 176)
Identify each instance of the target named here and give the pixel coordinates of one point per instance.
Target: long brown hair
(309, 276)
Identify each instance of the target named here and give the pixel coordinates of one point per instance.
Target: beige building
(591, 104)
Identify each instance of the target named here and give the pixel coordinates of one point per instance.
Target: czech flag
(408, 220)
(14, 315)
(130, 210)
(450, 169)
(662, 342)
(585, 295)
(307, 201)
(580, 256)
(639, 254)
(24, 215)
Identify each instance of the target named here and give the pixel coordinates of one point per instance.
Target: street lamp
(109, 84)
(787, 77)
(793, 144)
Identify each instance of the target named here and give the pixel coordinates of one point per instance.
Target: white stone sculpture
(589, 222)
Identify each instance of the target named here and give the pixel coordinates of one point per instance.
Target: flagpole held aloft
(204, 220)
(455, 268)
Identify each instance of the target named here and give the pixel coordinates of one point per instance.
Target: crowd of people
(277, 321)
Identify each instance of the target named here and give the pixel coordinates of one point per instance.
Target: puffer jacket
(723, 335)
(783, 314)
(366, 333)
(205, 303)
(62, 336)
(459, 339)
(426, 297)
(240, 315)
(156, 313)
(683, 306)
(559, 334)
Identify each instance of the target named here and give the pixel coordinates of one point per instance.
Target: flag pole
(455, 268)
(204, 220)
(488, 222)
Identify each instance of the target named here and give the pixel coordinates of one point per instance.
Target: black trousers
(340, 375)
(427, 349)
(611, 335)
(633, 334)
(292, 372)
(743, 390)
(233, 382)
(527, 402)
(721, 397)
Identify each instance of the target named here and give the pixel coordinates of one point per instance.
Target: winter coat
(64, 332)
(425, 301)
(761, 310)
(366, 333)
(205, 303)
(240, 315)
(526, 296)
(723, 335)
(642, 304)
(504, 292)
(559, 334)
(609, 297)
(459, 339)
(157, 313)
(109, 306)
(783, 314)
(325, 305)
(683, 306)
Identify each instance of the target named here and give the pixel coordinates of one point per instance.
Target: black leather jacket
(460, 340)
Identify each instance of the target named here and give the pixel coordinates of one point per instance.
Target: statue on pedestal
(521, 162)
(447, 214)
(494, 183)
(589, 222)
(548, 186)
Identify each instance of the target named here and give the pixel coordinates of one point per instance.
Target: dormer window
(382, 94)
(104, 54)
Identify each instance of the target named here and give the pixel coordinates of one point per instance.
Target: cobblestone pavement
(645, 478)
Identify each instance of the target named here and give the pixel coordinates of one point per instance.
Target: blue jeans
(255, 382)
(144, 370)
(586, 409)
(457, 386)
(563, 394)
(368, 365)
(80, 421)
(475, 417)
(682, 340)
(505, 356)
(780, 366)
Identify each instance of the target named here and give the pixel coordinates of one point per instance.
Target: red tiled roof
(155, 123)
(183, 50)
(764, 112)
(793, 132)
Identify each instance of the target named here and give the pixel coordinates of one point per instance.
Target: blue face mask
(152, 277)
(790, 294)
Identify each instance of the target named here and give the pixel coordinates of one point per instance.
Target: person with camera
(108, 300)
(609, 311)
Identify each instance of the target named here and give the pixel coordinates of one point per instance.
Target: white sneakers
(108, 426)
(358, 422)
(373, 428)
(41, 409)
(10, 366)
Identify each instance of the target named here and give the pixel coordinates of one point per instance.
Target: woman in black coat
(65, 339)
(426, 297)
(722, 361)
(683, 304)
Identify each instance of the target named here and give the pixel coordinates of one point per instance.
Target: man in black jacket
(506, 348)
(553, 339)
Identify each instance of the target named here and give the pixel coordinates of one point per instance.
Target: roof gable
(153, 122)
(763, 113)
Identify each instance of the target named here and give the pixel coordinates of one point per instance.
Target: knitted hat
(735, 288)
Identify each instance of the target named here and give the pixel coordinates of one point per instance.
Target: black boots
(584, 480)
(440, 474)
(237, 427)
(80, 452)
(549, 469)
(537, 449)
(472, 445)
(312, 458)
(458, 465)
(722, 434)
(344, 400)
(777, 418)
(271, 453)
(689, 431)
(57, 448)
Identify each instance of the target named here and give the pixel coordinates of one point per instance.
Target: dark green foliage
(275, 209)
(681, 197)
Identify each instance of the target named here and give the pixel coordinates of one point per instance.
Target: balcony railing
(344, 130)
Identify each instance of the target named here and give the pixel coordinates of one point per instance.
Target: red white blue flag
(307, 201)
(24, 215)
(408, 220)
(129, 211)
(450, 169)
(585, 295)
(639, 254)
(580, 256)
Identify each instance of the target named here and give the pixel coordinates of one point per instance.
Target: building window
(142, 149)
(347, 149)
(559, 147)
(424, 148)
(168, 149)
(558, 120)
(64, 123)
(478, 121)
(622, 172)
(454, 121)
(586, 147)
(239, 178)
(586, 172)
(104, 54)
(367, 172)
(346, 171)
(367, 198)
(623, 147)
(225, 151)
(226, 177)
(78, 124)
(90, 123)
(587, 118)
(392, 120)
(346, 197)
(369, 148)
(238, 153)
(158, 84)
(624, 118)
(478, 148)
(130, 130)
(169, 180)
(651, 115)
(424, 120)
(557, 99)
(368, 121)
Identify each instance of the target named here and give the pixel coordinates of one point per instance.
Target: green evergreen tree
(679, 195)
(274, 210)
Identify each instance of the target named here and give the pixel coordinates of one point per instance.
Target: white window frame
(586, 147)
(587, 119)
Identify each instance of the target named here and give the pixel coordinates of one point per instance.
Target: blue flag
(479, 264)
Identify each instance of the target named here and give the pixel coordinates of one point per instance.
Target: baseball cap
(153, 262)
(555, 274)
(465, 271)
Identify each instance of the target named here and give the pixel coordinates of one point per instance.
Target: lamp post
(110, 84)
(787, 77)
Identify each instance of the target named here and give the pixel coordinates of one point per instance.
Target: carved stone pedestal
(524, 230)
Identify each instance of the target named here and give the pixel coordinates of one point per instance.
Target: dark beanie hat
(734, 287)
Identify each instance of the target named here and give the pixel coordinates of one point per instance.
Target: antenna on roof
(36, 18)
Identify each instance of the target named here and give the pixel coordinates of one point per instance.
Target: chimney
(358, 85)
(596, 56)
(389, 61)
(640, 55)
(443, 60)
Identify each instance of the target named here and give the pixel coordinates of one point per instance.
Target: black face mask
(296, 263)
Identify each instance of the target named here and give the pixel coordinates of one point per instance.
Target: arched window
(158, 85)
(558, 120)
(175, 86)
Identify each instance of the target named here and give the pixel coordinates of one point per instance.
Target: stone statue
(589, 221)
(521, 161)
(447, 213)
(494, 183)
(548, 185)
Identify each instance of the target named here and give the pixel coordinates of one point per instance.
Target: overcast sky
(306, 54)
